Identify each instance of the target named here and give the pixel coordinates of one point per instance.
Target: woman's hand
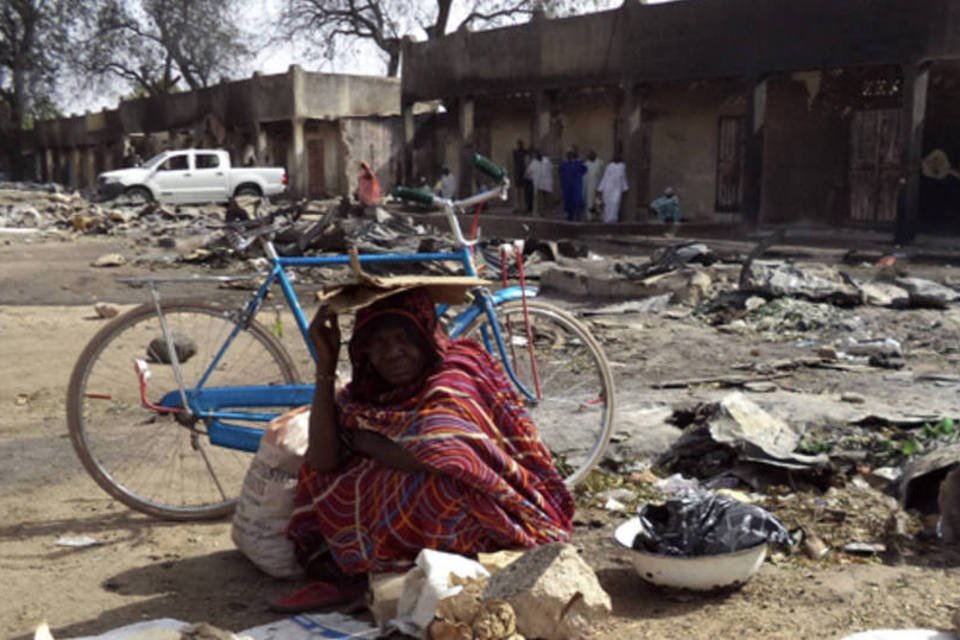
(384, 450)
(325, 336)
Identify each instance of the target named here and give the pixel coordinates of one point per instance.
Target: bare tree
(157, 46)
(332, 25)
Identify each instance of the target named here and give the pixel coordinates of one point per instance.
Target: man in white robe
(591, 180)
(540, 172)
(611, 189)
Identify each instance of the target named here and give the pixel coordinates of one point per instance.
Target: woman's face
(396, 357)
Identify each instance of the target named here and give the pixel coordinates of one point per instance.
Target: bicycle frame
(213, 404)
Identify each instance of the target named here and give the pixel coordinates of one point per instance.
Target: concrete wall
(588, 122)
(806, 163)
(683, 146)
(328, 134)
(679, 40)
(336, 95)
(379, 141)
(231, 115)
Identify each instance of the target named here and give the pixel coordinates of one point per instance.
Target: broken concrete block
(927, 293)
(810, 281)
(383, 596)
(554, 593)
(104, 310)
(495, 620)
(497, 560)
(566, 280)
(753, 303)
(444, 630)
(884, 294)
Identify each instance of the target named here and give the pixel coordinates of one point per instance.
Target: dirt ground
(144, 568)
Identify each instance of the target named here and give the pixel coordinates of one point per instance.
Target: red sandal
(318, 595)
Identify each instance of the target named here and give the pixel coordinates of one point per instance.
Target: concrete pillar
(916, 79)
(47, 174)
(75, 168)
(630, 144)
(90, 168)
(409, 131)
(542, 140)
(261, 146)
(465, 140)
(297, 159)
(753, 151)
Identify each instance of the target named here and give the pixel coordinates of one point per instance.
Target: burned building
(818, 112)
(318, 125)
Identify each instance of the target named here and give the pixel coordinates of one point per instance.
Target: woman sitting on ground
(429, 446)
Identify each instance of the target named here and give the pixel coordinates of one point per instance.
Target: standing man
(447, 185)
(522, 187)
(572, 171)
(540, 173)
(591, 181)
(611, 189)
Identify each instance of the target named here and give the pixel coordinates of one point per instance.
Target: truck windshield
(152, 162)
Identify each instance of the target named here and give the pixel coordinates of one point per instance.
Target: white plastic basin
(700, 573)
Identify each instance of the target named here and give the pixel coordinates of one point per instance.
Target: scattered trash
(884, 347)
(677, 486)
(78, 542)
(865, 548)
(668, 259)
(309, 626)
(813, 546)
(109, 260)
(435, 576)
(813, 282)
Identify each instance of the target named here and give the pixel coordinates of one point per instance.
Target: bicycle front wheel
(163, 464)
(571, 398)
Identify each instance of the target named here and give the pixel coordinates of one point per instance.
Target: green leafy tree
(34, 38)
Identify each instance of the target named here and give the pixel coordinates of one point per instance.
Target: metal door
(730, 154)
(315, 166)
(874, 166)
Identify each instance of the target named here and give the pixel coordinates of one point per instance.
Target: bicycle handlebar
(413, 195)
(450, 207)
(489, 167)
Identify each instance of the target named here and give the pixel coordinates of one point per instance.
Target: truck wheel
(138, 195)
(247, 190)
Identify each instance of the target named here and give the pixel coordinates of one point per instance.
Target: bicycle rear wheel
(574, 412)
(161, 463)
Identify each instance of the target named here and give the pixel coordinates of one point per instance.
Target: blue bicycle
(168, 401)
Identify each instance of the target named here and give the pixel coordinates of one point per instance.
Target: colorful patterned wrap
(495, 485)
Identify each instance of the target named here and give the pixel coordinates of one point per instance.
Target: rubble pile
(854, 518)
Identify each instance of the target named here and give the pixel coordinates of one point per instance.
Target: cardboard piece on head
(367, 288)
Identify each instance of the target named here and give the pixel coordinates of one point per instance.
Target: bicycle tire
(575, 415)
(171, 471)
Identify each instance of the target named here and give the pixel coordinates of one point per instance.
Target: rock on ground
(554, 592)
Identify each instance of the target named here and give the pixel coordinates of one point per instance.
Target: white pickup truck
(191, 175)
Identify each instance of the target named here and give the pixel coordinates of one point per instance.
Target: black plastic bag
(706, 525)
